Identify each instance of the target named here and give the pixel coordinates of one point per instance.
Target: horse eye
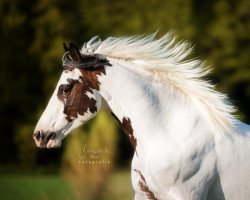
(67, 89)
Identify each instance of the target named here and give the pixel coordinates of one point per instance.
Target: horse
(188, 143)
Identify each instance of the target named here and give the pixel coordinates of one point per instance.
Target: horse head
(75, 100)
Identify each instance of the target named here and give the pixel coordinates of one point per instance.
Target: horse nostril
(38, 136)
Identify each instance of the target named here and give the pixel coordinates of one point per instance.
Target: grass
(119, 187)
(37, 187)
(48, 187)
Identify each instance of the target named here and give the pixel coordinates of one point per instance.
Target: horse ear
(74, 52)
(65, 47)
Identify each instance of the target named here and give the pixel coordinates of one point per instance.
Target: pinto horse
(188, 144)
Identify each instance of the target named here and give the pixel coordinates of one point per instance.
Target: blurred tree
(223, 29)
(20, 92)
(120, 18)
(32, 33)
(26, 150)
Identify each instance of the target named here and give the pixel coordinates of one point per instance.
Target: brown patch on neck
(127, 128)
(126, 125)
(143, 186)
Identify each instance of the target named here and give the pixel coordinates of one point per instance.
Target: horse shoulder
(178, 167)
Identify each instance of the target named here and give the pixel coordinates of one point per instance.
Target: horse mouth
(49, 141)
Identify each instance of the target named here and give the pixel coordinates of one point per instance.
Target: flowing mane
(168, 62)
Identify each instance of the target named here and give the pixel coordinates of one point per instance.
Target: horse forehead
(74, 74)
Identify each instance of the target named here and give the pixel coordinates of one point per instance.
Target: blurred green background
(31, 37)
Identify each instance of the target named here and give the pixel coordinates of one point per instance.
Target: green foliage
(136, 17)
(225, 41)
(27, 150)
(32, 33)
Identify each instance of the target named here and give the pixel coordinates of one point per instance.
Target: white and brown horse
(188, 145)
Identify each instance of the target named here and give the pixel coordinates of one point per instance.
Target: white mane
(169, 62)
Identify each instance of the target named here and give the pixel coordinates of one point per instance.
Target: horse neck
(153, 108)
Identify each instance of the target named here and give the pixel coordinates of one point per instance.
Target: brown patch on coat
(67, 68)
(91, 77)
(127, 128)
(126, 125)
(143, 186)
(76, 101)
(90, 74)
(74, 94)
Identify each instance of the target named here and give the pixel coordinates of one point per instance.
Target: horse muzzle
(46, 139)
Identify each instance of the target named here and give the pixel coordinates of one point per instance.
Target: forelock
(87, 61)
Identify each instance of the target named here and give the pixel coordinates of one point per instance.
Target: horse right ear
(66, 49)
(75, 53)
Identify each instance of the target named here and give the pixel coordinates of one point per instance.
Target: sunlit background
(31, 37)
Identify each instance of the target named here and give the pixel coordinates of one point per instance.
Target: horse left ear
(74, 52)
(65, 47)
